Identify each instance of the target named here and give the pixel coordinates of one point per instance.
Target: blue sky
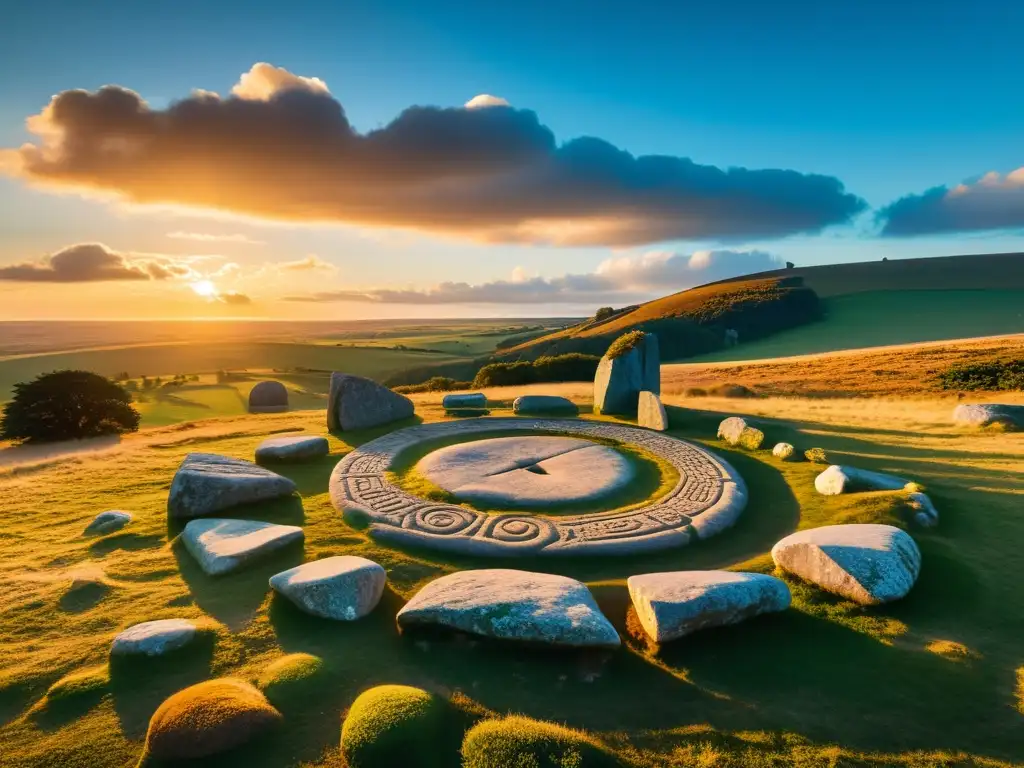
(890, 99)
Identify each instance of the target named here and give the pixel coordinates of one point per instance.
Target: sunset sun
(205, 288)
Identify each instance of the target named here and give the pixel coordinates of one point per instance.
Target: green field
(874, 319)
(934, 680)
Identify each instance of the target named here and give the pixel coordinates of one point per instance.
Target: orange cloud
(95, 262)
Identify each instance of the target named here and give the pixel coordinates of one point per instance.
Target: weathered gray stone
(736, 431)
(670, 605)
(206, 483)
(620, 380)
(268, 397)
(512, 605)
(925, 513)
(783, 451)
(839, 479)
(707, 499)
(986, 414)
(108, 522)
(650, 413)
(469, 400)
(544, 405)
(154, 638)
(359, 403)
(531, 471)
(221, 546)
(343, 587)
(297, 448)
(868, 564)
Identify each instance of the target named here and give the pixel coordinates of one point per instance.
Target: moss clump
(86, 681)
(816, 456)
(393, 725)
(290, 677)
(625, 344)
(207, 719)
(521, 741)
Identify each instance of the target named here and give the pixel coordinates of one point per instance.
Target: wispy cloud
(308, 264)
(281, 147)
(203, 237)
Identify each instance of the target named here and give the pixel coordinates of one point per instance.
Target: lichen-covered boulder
(544, 405)
(344, 587)
(359, 403)
(268, 397)
(512, 605)
(650, 412)
(869, 564)
(108, 522)
(221, 546)
(467, 400)
(839, 479)
(783, 451)
(631, 365)
(206, 483)
(207, 719)
(154, 638)
(987, 414)
(736, 431)
(671, 605)
(293, 448)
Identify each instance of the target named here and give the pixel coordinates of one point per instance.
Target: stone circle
(532, 471)
(268, 397)
(708, 498)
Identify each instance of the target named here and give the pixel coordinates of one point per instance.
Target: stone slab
(513, 605)
(344, 588)
(295, 448)
(839, 479)
(544, 405)
(221, 546)
(154, 638)
(206, 483)
(467, 400)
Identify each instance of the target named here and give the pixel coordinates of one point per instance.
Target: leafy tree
(67, 405)
(604, 313)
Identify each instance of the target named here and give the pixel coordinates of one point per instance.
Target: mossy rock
(291, 678)
(816, 456)
(624, 344)
(207, 719)
(523, 742)
(393, 725)
(80, 683)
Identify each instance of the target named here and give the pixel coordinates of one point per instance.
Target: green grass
(519, 741)
(890, 317)
(932, 680)
(654, 476)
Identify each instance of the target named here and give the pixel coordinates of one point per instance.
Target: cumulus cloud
(95, 262)
(993, 202)
(282, 147)
(204, 237)
(233, 297)
(486, 100)
(617, 280)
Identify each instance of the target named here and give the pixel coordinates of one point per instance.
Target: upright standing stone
(358, 403)
(631, 365)
(268, 397)
(650, 412)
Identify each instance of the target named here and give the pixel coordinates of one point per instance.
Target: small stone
(513, 605)
(736, 431)
(154, 638)
(297, 448)
(359, 403)
(221, 546)
(343, 587)
(783, 451)
(544, 405)
(206, 483)
(108, 522)
(650, 412)
(816, 455)
(925, 513)
(987, 414)
(207, 719)
(670, 605)
(268, 397)
(469, 400)
(869, 564)
(839, 479)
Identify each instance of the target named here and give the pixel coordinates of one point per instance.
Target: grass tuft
(522, 741)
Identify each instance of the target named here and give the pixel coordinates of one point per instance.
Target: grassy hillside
(929, 681)
(878, 318)
(979, 272)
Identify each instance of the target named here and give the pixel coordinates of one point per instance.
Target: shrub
(393, 725)
(67, 405)
(571, 367)
(521, 741)
(625, 344)
(435, 384)
(993, 375)
(604, 313)
(816, 455)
